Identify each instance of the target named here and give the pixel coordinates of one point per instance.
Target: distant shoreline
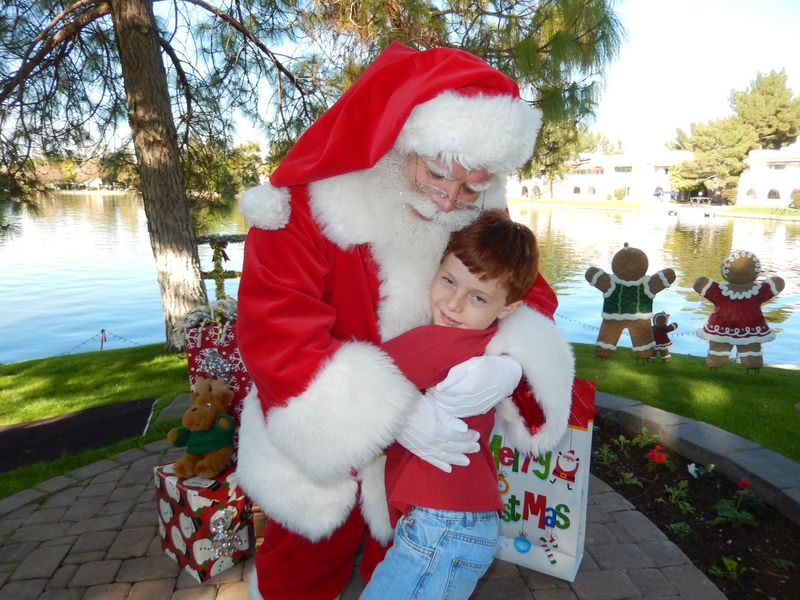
(86, 192)
(633, 206)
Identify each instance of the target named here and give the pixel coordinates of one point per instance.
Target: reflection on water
(85, 264)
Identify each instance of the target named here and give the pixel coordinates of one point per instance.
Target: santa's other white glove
(438, 438)
(477, 385)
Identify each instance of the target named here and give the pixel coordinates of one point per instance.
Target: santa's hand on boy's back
(477, 385)
(436, 437)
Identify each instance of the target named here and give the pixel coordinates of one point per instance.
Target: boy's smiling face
(461, 299)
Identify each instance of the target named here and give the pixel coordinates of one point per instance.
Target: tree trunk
(169, 221)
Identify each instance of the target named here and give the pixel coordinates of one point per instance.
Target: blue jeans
(436, 555)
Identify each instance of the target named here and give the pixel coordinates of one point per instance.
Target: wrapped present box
(204, 524)
(213, 353)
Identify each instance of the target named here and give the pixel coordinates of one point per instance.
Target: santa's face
(447, 187)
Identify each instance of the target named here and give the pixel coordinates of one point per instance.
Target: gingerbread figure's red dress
(737, 319)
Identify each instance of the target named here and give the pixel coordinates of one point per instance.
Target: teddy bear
(628, 294)
(661, 330)
(207, 431)
(737, 319)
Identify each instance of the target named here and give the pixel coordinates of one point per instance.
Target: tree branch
(249, 35)
(50, 42)
(187, 93)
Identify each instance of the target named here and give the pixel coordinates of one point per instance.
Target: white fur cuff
(349, 413)
(549, 368)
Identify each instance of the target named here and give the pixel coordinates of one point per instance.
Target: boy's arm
(477, 385)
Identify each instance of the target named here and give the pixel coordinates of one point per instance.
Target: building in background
(598, 176)
(772, 178)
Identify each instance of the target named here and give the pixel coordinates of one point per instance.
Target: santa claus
(344, 243)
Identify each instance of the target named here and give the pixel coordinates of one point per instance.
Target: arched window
(774, 194)
(576, 190)
(591, 191)
(524, 191)
(751, 194)
(659, 189)
(536, 191)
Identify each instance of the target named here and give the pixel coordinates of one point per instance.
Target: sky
(681, 59)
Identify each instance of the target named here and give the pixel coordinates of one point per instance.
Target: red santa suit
(336, 263)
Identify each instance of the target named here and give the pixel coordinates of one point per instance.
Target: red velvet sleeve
(283, 324)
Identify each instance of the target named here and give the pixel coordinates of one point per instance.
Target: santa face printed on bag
(566, 468)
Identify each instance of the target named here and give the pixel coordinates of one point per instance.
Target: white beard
(374, 206)
(393, 194)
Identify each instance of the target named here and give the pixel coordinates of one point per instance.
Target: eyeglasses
(466, 194)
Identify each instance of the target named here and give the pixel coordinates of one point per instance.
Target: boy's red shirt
(425, 355)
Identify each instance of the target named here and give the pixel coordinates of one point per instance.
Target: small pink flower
(744, 484)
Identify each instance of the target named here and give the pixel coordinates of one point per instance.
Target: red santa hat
(441, 101)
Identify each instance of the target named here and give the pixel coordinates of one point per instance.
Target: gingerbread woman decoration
(628, 294)
(737, 319)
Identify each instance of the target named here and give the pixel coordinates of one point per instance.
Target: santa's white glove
(477, 385)
(438, 438)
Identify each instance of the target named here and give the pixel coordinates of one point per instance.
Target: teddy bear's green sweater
(208, 440)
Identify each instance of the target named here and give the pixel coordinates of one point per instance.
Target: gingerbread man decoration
(737, 319)
(628, 294)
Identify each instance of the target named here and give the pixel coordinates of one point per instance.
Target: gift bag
(208, 332)
(543, 523)
(213, 353)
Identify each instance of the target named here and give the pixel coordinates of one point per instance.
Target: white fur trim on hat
(266, 206)
(549, 368)
(496, 133)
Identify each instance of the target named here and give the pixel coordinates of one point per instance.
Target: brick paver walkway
(92, 534)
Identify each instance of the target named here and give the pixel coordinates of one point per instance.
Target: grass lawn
(38, 389)
(758, 407)
(42, 388)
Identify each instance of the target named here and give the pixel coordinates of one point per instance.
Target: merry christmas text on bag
(543, 525)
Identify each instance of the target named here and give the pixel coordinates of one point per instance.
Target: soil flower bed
(747, 548)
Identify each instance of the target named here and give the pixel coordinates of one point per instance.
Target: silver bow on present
(215, 365)
(222, 536)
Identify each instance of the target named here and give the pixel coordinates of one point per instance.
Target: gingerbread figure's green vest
(628, 300)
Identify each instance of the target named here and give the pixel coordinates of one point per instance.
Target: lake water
(85, 264)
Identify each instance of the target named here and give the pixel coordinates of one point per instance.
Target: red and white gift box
(212, 351)
(204, 524)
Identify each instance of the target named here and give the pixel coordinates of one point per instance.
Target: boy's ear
(510, 308)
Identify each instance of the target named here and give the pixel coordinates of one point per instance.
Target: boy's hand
(477, 385)
(438, 438)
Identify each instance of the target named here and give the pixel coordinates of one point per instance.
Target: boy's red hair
(495, 247)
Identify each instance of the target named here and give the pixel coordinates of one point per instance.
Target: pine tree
(769, 107)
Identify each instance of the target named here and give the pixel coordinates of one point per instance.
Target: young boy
(447, 524)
